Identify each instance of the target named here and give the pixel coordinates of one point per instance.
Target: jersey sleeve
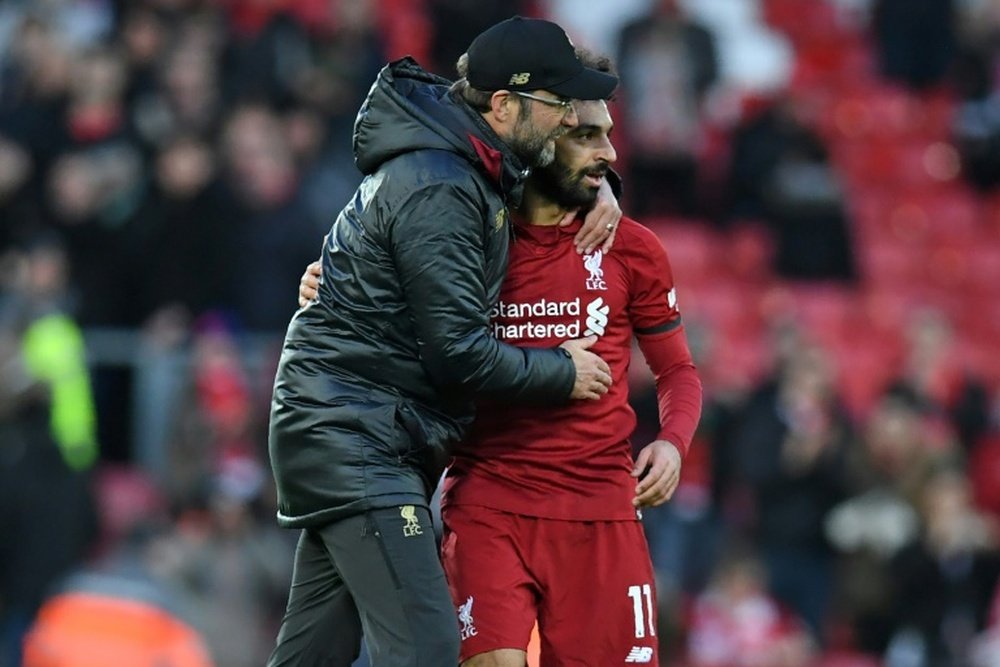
(653, 297)
(657, 324)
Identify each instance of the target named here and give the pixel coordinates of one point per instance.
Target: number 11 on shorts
(643, 612)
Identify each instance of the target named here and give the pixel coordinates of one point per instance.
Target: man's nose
(608, 152)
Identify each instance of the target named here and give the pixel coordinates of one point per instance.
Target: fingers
(593, 374)
(610, 240)
(657, 475)
(597, 386)
(592, 382)
(592, 392)
(660, 489)
(308, 289)
(592, 236)
(597, 227)
(641, 462)
(580, 343)
(658, 484)
(309, 284)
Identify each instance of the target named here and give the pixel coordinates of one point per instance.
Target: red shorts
(589, 584)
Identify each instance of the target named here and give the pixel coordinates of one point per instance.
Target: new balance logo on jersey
(465, 616)
(597, 317)
(593, 264)
(639, 654)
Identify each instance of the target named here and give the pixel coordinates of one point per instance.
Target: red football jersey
(570, 461)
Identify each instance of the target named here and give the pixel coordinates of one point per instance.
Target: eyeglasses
(564, 105)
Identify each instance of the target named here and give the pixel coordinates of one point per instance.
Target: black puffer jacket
(376, 378)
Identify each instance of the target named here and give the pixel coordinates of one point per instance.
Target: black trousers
(378, 573)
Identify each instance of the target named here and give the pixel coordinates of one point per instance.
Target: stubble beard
(533, 147)
(566, 188)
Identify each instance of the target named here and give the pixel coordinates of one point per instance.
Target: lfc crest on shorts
(465, 616)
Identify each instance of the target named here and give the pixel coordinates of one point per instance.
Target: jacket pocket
(411, 438)
(430, 460)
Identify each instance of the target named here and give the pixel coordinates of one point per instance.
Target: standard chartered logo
(597, 317)
(546, 319)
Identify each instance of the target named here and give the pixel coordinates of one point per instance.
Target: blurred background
(825, 175)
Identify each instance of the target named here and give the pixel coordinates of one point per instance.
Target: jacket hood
(409, 109)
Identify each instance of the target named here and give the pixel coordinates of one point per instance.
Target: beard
(532, 146)
(560, 184)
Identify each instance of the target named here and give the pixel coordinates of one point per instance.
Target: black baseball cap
(533, 54)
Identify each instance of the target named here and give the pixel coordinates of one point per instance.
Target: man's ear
(503, 106)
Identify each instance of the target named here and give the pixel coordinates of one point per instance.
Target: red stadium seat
(885, 262)
(953, 215)
(750, 252)
(696, 251)
(984, 268)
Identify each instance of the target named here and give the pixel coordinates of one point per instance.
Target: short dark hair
(596, 61)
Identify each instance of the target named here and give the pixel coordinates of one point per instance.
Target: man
(540, 504)
(375, 379)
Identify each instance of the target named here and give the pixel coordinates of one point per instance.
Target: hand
(593, 375)
(309, 284)
(664, 472)
(600, 224)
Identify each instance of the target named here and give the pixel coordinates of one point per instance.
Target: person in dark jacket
(376, 378)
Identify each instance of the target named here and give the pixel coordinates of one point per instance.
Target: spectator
(736, 623)
(792, 445)
(880, 519)
(47, 442)
(184, 215)
(977, 83)
(915, 40)
(273, 238)
(985, 650)
(17, 213)
(667, 63)
(781, 173)
(120, 613)
(944, 581)
(457, 22)
(181, 92)
(232, 567)
(932, 368)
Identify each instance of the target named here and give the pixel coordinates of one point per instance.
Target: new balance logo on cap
(640, 654)
(533, 54)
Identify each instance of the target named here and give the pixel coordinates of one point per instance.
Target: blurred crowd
(169, 167)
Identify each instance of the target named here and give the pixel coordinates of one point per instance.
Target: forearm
(678, 387)
(484, 365)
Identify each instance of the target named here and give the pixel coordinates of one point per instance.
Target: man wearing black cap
(377, 376)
